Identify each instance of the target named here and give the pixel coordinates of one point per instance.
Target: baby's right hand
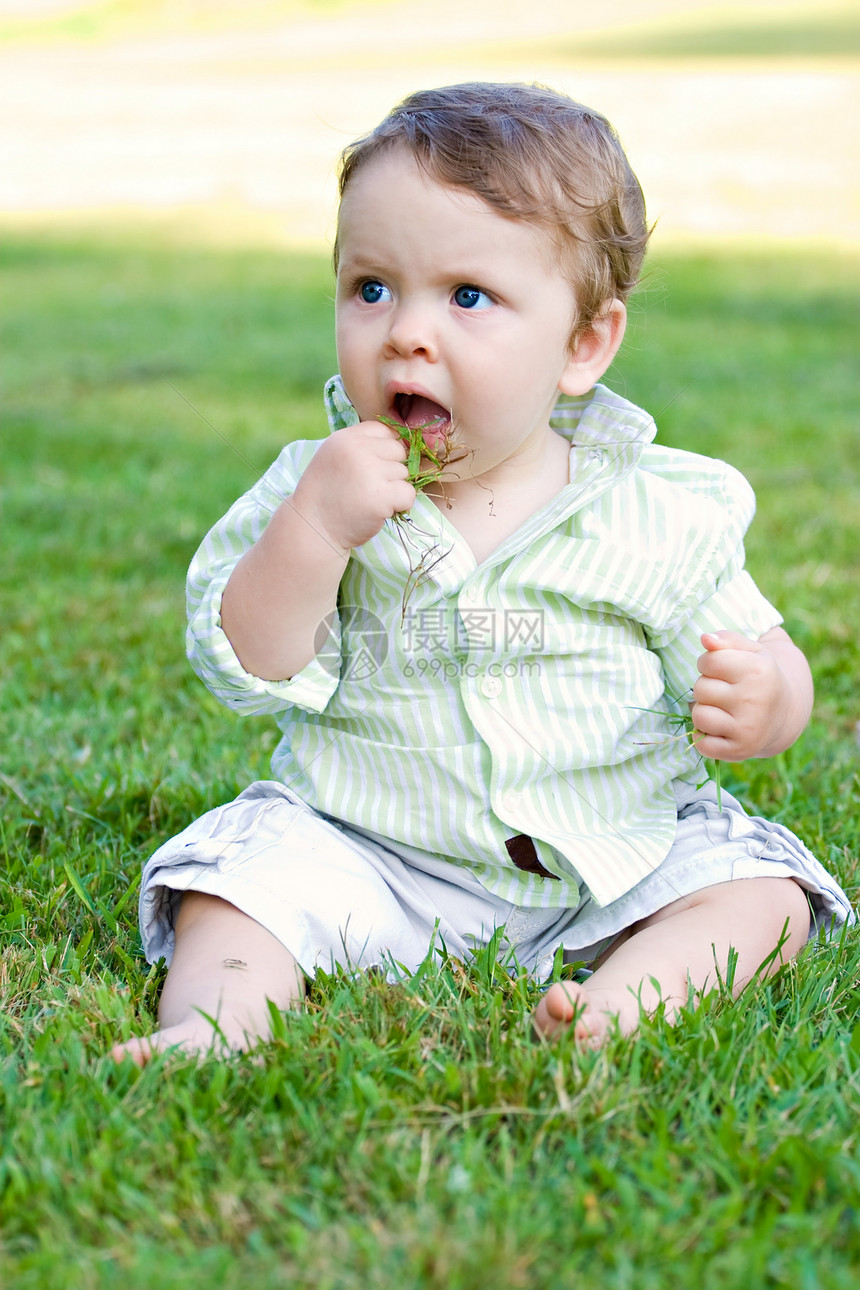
(356, 481)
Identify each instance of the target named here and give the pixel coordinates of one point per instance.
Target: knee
(779, 906)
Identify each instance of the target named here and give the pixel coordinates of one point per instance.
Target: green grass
(391, 1136)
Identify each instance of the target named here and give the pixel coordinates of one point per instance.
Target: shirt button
(472, 594)
(491, 687)
(512, 801)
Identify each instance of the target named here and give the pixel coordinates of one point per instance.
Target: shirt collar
(339, 410)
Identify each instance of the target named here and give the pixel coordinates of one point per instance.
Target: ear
(593, 350)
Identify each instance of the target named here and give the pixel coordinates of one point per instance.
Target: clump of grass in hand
(419, 450)
(424, 466)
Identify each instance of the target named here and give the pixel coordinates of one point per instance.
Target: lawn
(390, 1136)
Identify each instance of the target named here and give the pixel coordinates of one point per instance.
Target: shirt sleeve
(209, 650)
(719, 593)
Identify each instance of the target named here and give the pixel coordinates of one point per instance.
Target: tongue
(418, 411)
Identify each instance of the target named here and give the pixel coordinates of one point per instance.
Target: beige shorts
(336, 896)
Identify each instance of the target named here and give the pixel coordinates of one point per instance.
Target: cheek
(355, 328)
(347, 343)
(341, 327)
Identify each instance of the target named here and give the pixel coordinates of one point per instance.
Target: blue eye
(372, 292)
(471, 298)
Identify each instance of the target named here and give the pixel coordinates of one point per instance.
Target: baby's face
(448, 311)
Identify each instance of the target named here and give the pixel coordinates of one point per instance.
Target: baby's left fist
(735, 697)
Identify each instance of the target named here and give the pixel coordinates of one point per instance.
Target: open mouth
(420, 413)
(429, 418)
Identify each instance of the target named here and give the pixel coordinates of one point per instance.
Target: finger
(716, 735)
(712, 722)
(720, 665)
(725, 639)
(718, 748)
(713, 692)
(734, 665)
(383, 434)
(403, 498)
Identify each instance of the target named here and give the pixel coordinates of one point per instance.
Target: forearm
(792, 711)
(280, 594)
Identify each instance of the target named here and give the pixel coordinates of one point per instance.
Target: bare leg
(227, 967)
(684, 944)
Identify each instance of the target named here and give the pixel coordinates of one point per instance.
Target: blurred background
(226, 119)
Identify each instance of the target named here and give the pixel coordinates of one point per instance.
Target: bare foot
(591, 1011)
(194, 1036)
(681, 951)
(238, 989)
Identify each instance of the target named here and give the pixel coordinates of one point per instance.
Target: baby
(476, 611)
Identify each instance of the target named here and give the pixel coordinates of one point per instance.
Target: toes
(139, 1051)
(563, 1001)
(194, 1038)
(176, 1039)
(565, 1006)
(559, 1007)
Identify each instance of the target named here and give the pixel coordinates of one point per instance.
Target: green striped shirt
(455, 705)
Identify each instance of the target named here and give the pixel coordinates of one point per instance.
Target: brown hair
(533, 154)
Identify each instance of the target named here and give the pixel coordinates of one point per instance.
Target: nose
(412, 332)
